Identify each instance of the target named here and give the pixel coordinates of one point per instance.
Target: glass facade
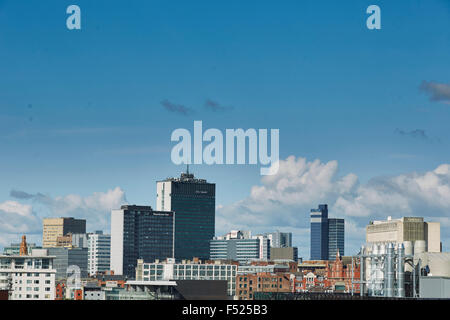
(147, 235)
(335, 237)
(194, 203)
(319, 233)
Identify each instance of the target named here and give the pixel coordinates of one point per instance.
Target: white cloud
(284, 200)
(17, 218)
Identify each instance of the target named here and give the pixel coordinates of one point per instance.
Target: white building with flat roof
(99, 252)
(169, 270)
(28, 277)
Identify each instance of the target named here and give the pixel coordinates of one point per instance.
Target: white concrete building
(405, 229)
(188, 270)
(28, 277)
(99, 252)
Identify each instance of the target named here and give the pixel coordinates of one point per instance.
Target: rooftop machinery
(383, 269)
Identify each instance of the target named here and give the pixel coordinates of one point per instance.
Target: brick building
(340, 274)
(247, 284)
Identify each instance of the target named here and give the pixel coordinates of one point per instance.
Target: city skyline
(86, 115)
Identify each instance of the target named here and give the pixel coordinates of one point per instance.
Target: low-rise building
(28, 276)
(286, 253)
(248, 284)
(188, 270)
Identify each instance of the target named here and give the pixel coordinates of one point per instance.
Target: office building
(240, 246)
(138, 232)
(280, 239)
(405, 229)
(286, 253)
(28, 276)
(99, 252)
(336, 236)
(193, 201)
(58, 227)
(327, 235)
(188, 270)
(69, 257)
(77, 240)
(319, 233)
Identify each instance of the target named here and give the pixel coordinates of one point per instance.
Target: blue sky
(81, 112)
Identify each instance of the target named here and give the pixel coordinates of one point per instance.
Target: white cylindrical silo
(401, 270)
(420, 246)
(389, 271)
(409, 251)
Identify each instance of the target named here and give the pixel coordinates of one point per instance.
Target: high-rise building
(138, 232)
(58, 227)
(405, 229)
(240, 246)
(319, 233)
(280, 239)
(99, 252)
(336, 236)
(193, 201)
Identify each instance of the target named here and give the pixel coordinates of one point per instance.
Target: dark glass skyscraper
(335, 237)
(319, 233)
(138, 232)
(194, 203)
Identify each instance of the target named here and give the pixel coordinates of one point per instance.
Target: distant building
(279, 239)
(58, 227)
(138, 232)
(336, 237)
(319, 233)
(77, 240)
(66, 257)
(14, 248)
(194, 203)
(287, 253)
(240, 246)
(99, 252)
(28, 276)
(265, 267)
(327, 235)
(188, 270)
(249, 284)
(80, 240)
(405, 229)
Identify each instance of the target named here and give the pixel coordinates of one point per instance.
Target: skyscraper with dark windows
(319, 233)
(138, 232)
(327, 235)
(193, 201)
(335, 237)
